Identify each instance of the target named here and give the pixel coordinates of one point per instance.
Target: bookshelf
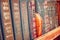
(29, 19)
(50, 35)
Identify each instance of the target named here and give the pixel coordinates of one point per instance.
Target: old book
(24, 19)
(15, 13)
(40, 10)
(52, 13)
(31, 12)
(58, 10)
(6, 20)
(1, 38)
(47, 27)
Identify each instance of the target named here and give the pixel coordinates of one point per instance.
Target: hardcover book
(15, 12)
(58, 11)
(40, 10)
(52, 14)
(6, 20)
(24, 19)
(47, 27)
(31, 12)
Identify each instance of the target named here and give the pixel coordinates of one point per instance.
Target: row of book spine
(26, 19)
(14, 19)
(48, 12)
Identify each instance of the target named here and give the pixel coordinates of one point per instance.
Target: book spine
(40, 10)
(24, 16)
(1, 38)
(56, 17)
(16, 19)
(51, 13)
(46, 18)
(0, 33)
(6, 20)
(32, 17)
(58, 10)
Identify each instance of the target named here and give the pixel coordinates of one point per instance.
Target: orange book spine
(38, 22)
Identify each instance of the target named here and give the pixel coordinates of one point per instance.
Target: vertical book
(6, 20)
(15, 13)
(24, 19)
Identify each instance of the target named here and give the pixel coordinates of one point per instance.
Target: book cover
(58, 11)
(38, 22)
(24, 19)
(6, 20)
(52, 13)
(15, 13)
(40, 10)
(31, 12)
(47, 27)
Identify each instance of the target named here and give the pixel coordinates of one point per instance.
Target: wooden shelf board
(50, 35)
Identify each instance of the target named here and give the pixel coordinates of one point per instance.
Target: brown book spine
(6, 20)
(24, 16)
(16, 18)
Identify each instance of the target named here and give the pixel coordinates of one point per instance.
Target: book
(52, 13)
(58, 11)
(6, 20)
(32, 25)
(24, 19)
(47, 27)
(1, 37)
(40, 10)
(15, 13)
(38, 22)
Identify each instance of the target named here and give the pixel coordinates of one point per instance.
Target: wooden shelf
(50, 35)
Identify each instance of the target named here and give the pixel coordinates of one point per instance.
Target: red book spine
(58, 11)
(32, 5)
